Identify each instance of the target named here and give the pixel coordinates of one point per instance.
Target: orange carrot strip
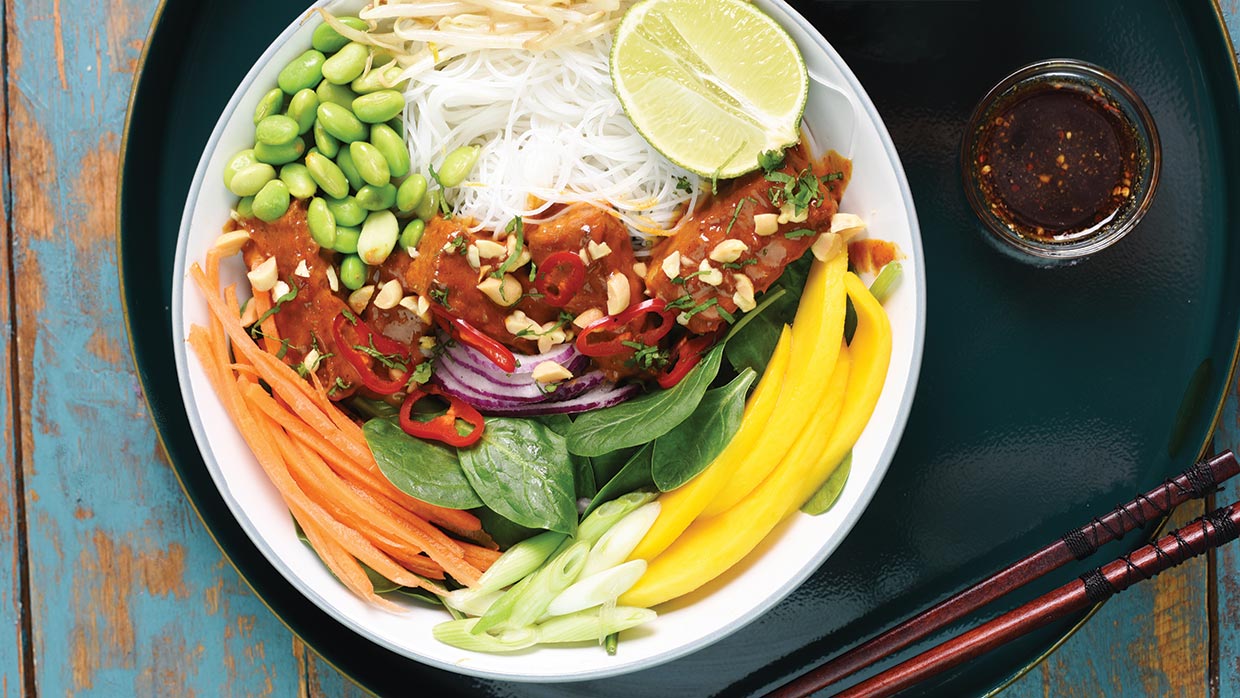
(480, 557)
(344, 566)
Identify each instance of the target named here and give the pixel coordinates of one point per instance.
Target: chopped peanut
(587, 317)
(551, 372)
(671, 265)
(765, 224)
(230, 243)
(709, 275)
(264, 275)
(598, 250)
(743, 297)
(489, 249)
(302, 270)
(827, 246)
(618, 293)
(728, 251)
(503, 292)
(359, 299)
(389, 295)
(846, 225)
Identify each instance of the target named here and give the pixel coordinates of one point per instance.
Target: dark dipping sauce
(1057, 161)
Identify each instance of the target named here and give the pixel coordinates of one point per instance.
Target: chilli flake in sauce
(1057, 161)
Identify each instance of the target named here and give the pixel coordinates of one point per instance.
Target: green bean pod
(412, 234)
(303, 108)
(325, 142)
(271, 103)
(280, 154)
(457, 165)
(271, 201)
(347, 64)
(345, 160)
(304, 71)
(410, 193)
(378, 107)
(331, 93)
(346, 239)
(374, 198)
(327, 175)
(378, 238)
(252, 178)
(239, 162)
(428, 206)
(276, 129)
(347, 210)
(393, 148)
(298, 180)
(321, 222)
(341, 122)
(353, 272)
(326, 39)
(370, 163)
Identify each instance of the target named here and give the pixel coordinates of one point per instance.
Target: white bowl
(840, 116)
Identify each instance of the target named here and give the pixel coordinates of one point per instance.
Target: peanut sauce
(1057, 160)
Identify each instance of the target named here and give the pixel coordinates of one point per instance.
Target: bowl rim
(883, 461)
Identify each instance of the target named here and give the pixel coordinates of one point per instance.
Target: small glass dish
(1060, 160)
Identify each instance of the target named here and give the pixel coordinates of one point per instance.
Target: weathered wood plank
(129, 596)
(12, 669)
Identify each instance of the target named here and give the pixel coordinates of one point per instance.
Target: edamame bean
(335, 94)
(340, 122)
(374, 198)
(377, 107)
(239, 162)
(429, 206)
(456, 166)
(347, 64)
(250, 179)
(345, 160)
(393, 148)
(410, 193)
(321, 222)
(245, 207)
(271, 201)
(326, 39)
(346, 239)
(412, 234)
(379, 78)
(327, 175)
(352, 272)
(276, 129)
(280, 154)
(271, 103)
(303, 108)
(347, 211)
(298, 180)
(370, 163)
(304, 71)
(378, 239)
(325, 142)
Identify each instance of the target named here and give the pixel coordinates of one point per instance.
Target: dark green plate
(1045, 395)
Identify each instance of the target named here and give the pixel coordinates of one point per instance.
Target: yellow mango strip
(709, 547)
(817, 331)
(871, 347)
(682, 505)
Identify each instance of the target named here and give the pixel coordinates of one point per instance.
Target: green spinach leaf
(502, 531)
(633, 476)
(645, 418)
(829, 493)
(751, 346)
(682, 453)
(419, 468)
(522, 471)
(606, 465)
(583, 471)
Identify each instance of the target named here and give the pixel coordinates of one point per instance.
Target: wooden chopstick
(1199, 480)
(1210, 531)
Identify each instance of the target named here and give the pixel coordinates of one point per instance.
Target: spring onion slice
(615, 545)
(473, 602)
(608, 514)
(459, 633)
(520, 561)
(528, 600)
(589, 626)
(598, 588)
(887, 281)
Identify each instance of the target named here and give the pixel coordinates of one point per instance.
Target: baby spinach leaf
(419, 468)
(420, 594)
(606, 465)
(751, 346)
(633, 476)
(583, 472)
(644, 418)
(829, 493)
(503, 531)
(522, 471)
(682, 453)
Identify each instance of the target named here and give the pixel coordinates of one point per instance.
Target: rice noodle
(529, 82)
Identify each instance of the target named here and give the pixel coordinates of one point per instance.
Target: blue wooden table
(110, 586)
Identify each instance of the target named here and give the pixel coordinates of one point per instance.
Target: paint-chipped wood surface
(110, 586)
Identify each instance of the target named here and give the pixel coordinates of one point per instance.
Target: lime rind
(676, 69)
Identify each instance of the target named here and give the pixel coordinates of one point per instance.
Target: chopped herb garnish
(740, 264)
(736, 212)
(275, 308)
(699, 308)
(680, 280)
(514, 225)
(799, 233)
(533, 271)
(771, 160)
(440, 296)
(459, 245)
(727, 317)
(388, 360)
(350, 316)
(832, 177)
(683, 184)
(646, 356)
(338, 386)
(421, 373)
(682, 302)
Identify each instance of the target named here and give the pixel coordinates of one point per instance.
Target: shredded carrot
(318, 460)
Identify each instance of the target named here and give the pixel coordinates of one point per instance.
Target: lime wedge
(711, 84)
